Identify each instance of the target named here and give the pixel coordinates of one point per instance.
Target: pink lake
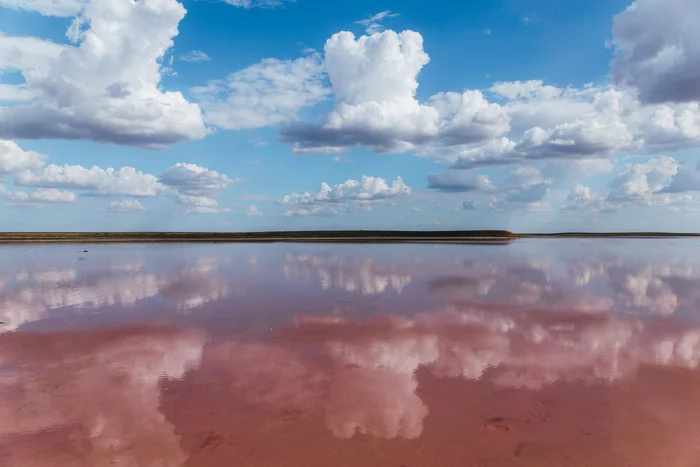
(535, 353)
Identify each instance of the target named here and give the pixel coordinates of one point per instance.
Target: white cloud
(657, 45)
(368, 189)
(128, 205)
(670, 126)
(125, 181)
(373, 24)
(200, 204)
(319, 150)
(195, 56)
(582, 199)
(46, 7)
(267, 93)
(192, 179)
(106, 88)
(374, 79)
(257, 3)
(599, 134)
(14, 159)
(42, 195)
(644, 183)
(253, 211)
(532, 103)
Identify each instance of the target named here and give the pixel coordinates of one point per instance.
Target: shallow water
(538, 353)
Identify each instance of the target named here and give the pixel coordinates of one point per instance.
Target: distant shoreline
(333, 236)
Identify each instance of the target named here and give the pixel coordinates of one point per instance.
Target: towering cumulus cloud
(374, 79)
(106, 87)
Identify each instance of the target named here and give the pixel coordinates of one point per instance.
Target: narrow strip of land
(311, 236)
(333, 236)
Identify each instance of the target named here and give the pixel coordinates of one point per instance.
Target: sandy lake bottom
(560, 352)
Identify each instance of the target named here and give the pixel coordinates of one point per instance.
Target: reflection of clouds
(373, 389)
(267, 374)
(100, 390)
(52, 277)
(353, 275)
(129, 265)
(124, 283)
(196, 285)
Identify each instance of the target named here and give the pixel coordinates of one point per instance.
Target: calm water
(537, 353)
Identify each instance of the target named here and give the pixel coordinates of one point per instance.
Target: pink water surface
(535, 353)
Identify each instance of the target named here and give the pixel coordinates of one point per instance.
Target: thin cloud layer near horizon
(272, 114)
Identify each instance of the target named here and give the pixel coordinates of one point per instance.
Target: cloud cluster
(659, 181)
(125, 181)
(195, 187)
(128, 205)
(13, 158)
(374, 80)
(348, 195)
(189, 184)
(106, 87)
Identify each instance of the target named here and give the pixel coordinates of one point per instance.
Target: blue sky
(535, 115)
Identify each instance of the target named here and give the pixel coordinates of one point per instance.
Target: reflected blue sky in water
(137, 352)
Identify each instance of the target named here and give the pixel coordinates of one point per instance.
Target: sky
(252, 115)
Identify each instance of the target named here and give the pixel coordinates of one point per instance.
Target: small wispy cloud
(195, 56)
(253, 211)
(468, 206)
(257, 3)
(487, 32)
(529, 19)
(373, 24)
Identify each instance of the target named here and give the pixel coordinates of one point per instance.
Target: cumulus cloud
(13, 158)
(599, 134)
(582, 199)
(645, 183)
(195, 56)
(42, 195)
(657, 45)
(253, 211)
(373, 24)
(530, 104)
(670, 126)
(374, 79)
(128, 205)
(105, 88)
(191, 179)
(349, 193)
(200, 204)
(63, 8)
(267, 93)
(125, 181)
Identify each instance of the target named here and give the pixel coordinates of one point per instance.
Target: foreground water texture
(534, 353)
